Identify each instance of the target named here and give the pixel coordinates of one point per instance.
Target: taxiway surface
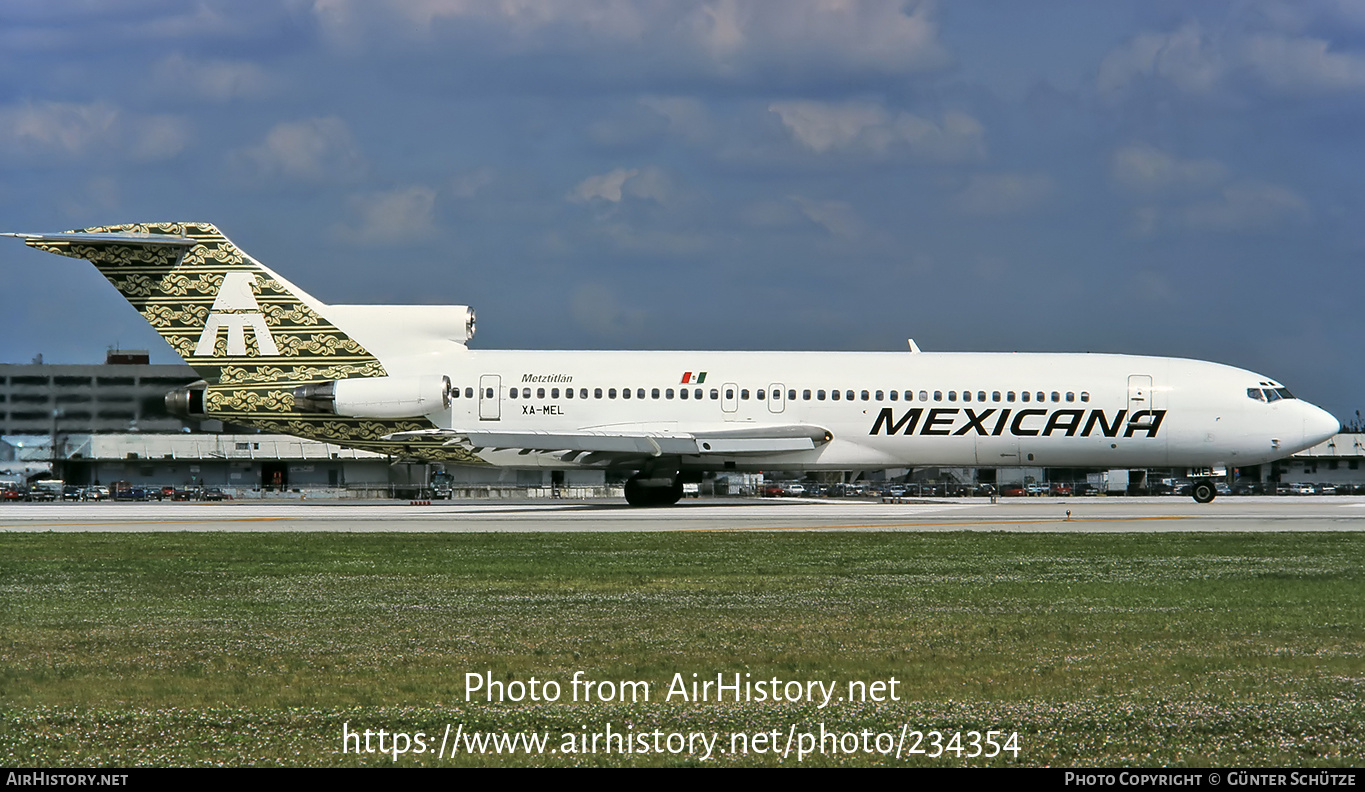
(1087, 515)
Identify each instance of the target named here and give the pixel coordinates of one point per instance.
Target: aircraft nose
(1319, 425)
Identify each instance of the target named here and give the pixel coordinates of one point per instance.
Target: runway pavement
(1087, 515)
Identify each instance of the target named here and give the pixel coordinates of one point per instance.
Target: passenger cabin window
(512, 393)
(995, 396)
(597, 393)
(744, 394)
(1024, 396)
(611, 393)
(1085, 396)
(715, 394)
(791, 395)
(1009, 396)
(668, 393)
(923, 396)
(966, 396)
(682, 393)
(981, 396)
(805, 395)
(894, 394)
(540, 393)
(1056, 396)
(952, 396)
(640, 393)
(654, 394)
(819, 395)
(568, 393)
(879, 395)
(554, 393)
(834, 395)
(625, 393)
(1070, 396)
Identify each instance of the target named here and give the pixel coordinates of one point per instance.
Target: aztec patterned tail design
(228, 316)
(253, 336)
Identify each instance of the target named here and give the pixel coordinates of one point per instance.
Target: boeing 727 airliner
(402, 380)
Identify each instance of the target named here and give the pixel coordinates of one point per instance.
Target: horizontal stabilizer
(132, 238)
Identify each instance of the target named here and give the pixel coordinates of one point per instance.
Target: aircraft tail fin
(231, 318)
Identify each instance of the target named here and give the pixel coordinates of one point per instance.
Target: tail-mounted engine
(375, 397)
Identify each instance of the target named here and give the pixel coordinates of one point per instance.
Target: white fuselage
(888, 409)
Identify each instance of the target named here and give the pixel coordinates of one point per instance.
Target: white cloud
(868, 126)
(466, 185)
(1144, 169)
(605, 187)
(392, 216)
(1294, 65)
(822, 127)
(836, 217)
(1185, 57)
(1197, 63)
(64, 130)
(314, 149)
(1003, 193)
(729, 35)
(686, 116)
(649, 182)
(218, 80)
(1248, 206)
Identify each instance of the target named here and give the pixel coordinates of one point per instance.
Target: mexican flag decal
(693, 379)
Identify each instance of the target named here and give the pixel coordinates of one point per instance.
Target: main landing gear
(641, 491)
(1203, 491)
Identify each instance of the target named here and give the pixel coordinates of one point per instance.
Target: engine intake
(187, 401)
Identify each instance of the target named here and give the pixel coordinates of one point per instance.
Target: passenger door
(490, 397)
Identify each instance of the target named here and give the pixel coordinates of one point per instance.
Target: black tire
(1203, 491)
(639, 495)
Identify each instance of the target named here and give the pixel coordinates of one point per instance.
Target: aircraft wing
(624, 444)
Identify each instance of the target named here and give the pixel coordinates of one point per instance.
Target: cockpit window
(1269, 394)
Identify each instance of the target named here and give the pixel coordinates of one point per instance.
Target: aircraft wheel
(1203, 491)
(638, 494)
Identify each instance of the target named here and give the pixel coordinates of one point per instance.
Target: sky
(1165, 178)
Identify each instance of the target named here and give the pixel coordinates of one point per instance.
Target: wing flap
(728, 442)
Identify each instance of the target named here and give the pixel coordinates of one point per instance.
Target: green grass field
(258, 649)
